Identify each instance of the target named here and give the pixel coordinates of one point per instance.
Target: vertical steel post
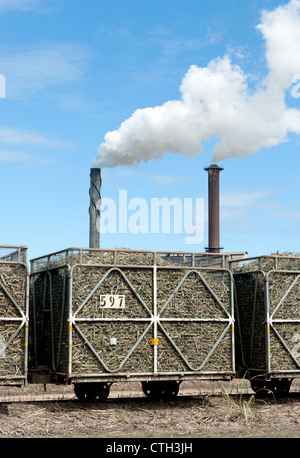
(155, 341)
(26, 336)
(94, 210)
(70, 322)
(267, 324)
(213, 208)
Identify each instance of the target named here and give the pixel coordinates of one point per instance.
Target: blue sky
(76, 70)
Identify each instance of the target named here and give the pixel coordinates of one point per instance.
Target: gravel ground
(199, 411)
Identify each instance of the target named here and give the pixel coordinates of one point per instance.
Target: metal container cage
(267, 298)
(14, 301)
(104, 316)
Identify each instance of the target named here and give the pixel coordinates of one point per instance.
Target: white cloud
(252, 211)
(31, 70)
(218, 103)
(166, 179)
(155, 178)
(283, 211)
(27, 159)
(172, 43)
(243, 199)
(21, 5)
(22, 138)
(281, 31)
(17, 136)
(238, 205)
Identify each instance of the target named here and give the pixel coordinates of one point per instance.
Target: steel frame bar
(64, 255)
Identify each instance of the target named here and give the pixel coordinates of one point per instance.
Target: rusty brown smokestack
(94, 210)
(213, 208)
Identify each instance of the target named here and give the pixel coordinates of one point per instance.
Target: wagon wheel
(102, 391)
(170, 390)
(91, 391)
(261, 388)
(281, 386)
(152, 390)
(275, 387)
(160, 390)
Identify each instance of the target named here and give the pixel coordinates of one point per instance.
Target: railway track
(127, 396)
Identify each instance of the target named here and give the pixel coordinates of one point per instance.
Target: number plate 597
(112, 301)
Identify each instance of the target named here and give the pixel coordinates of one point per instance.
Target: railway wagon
(103, 316)
(267, 297)
(14, 300)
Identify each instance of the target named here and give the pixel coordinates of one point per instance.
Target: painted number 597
(112, 301)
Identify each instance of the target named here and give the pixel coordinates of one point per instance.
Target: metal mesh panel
(134, 313)
(268, 310)
(48, 319)
(13, 315)
(122, 257)
(13, 254)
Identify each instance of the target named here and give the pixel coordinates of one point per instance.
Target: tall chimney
(94, 210)
(213, 209)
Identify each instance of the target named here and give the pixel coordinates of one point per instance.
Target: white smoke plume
(217, 102)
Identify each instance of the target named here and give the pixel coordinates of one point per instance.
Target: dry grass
(203, 415)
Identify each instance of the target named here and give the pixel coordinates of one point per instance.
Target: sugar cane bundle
(275, 294)
(112, 342)
(117, 257)
(196, 298)
(284, 304)
(102, 257)
(135, 284)
(13, 279)
(287, 261)
(250, 313)
(278, 261)
(84, 279)
(286, 285)
(199, 292)
(101, 344)
(122, 257)
(194, 342)
(199, 296)
(48, 314)
(11, 356)
(137, 289)
(285, 346)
